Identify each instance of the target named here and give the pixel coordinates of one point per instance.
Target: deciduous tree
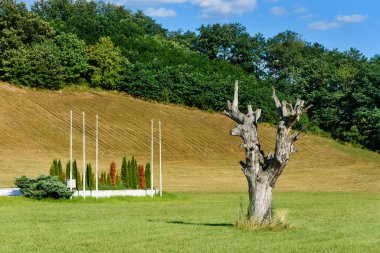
(73, 56)
(106, 64)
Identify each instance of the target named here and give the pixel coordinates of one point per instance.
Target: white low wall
(101, 193)
(111, 193)
(10, 192)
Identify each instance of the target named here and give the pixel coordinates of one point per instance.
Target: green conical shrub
(103, 179)
(53, 171)
(56, 170)
(76, 175)
(74, 171)
(136, 178)
(124, 171)
(119, 182)
(147, 176)
(60, 173)
(129, 175)
(90, 178)
(67, 170)
(134, 174)
(108, 180)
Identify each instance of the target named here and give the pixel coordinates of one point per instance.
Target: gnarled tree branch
(233, 110)
(288, 116)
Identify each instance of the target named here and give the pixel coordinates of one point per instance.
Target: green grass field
(321, 222)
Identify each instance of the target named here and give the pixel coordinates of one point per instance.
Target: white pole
(96, 163)
(151, 158)
(71, 150)
(84, 158)
(159, 136)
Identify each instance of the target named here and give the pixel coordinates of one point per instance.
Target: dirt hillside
(198, 153)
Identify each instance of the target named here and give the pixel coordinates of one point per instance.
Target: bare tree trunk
(260, 200)
(263, 171)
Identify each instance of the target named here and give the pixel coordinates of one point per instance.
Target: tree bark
(262, 171)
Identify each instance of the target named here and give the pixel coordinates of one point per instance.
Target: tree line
(59, 43)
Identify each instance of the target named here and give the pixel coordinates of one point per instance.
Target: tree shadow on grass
(194, 223)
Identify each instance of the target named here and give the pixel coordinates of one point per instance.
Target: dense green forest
(63, 42)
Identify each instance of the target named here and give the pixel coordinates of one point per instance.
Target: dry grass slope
(198, 153)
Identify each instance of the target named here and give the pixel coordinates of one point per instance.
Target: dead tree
(262, 171)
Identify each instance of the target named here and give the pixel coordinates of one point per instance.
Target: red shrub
(113, 173)
(141, 176)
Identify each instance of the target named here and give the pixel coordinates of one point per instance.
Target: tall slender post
(151, 158)
(71, 150)
(84, 157)
(160, 148)
(96, 161)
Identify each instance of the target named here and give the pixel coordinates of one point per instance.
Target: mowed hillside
(198, 152)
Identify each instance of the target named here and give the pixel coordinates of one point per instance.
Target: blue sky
(337, 24)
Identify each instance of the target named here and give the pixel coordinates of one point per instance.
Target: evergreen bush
(129, 175)
(103, 179)
(90, 178)
(135, 174)
(119, 182)
(76, 175)
(56, 170)
(43, 187)
(124, 171)
(108, 179)
(74, 172)
(67, 174)
(53, 171)
(147, 176)
(61, 175)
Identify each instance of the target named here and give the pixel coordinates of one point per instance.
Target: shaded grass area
(321, 222)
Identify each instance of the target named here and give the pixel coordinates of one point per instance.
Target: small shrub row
(132, 175)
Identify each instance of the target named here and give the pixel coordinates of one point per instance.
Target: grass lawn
(189, 222)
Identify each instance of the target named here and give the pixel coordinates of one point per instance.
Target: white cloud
(160, 12)
(323, 25)
(299, 10)
(212, 8)
(151, 2)
(351, 18)
(340, 20)
(278, 11)
(307, 16)
(143, 4)
(209, 8)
